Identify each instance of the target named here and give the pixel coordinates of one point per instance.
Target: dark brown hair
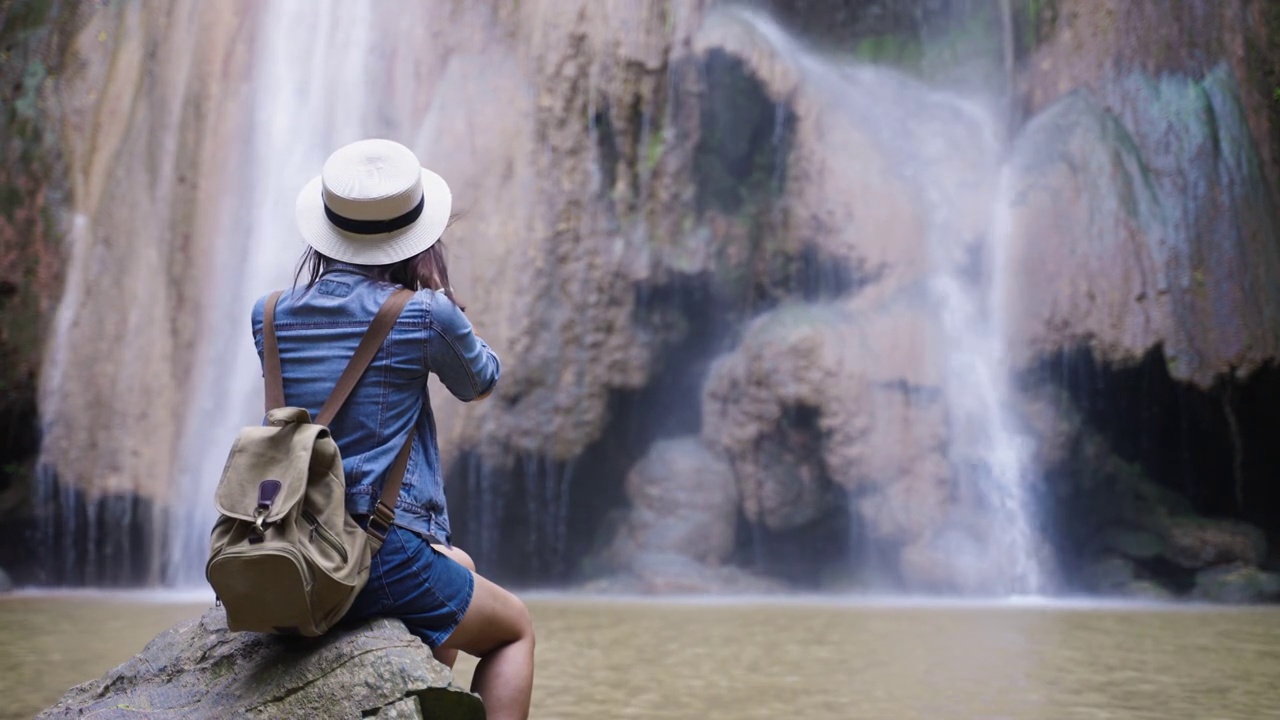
(426, 270)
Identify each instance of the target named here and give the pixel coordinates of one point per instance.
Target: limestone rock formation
(1120, 244)
(865, 186)
(33, 191)
(198, 669)
(1089, 44)
(820, 397)
(1194, 542)
(607, 156)
(1237, 583)
(684, 501)
(152, 106)
(680, 530)
(1130, 534)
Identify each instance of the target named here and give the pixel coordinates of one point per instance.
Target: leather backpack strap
(378, 331)
(384, 513)
(271, 372)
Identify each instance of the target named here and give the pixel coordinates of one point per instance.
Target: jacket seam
(471, 376)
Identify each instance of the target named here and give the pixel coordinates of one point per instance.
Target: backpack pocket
(265, 588)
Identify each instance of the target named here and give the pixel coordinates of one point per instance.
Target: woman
(373, 221)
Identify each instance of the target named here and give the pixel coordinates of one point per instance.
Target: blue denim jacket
(318, 330)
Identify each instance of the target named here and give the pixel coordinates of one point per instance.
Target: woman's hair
(425, 271)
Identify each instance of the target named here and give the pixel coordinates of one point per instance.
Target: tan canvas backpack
(285, 556)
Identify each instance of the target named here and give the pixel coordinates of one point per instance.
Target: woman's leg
(497, 629)
(449, 657)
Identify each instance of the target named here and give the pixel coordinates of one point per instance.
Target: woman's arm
(465, 364)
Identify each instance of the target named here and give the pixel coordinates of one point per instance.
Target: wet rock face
(198, 669)
(844, 21)
(1086, 44)
(1237, 583)
(625, 149)
(148, 126)
(684, 501)
(1155, 232)
(33, 39)
(1123, 532)
(815, 406)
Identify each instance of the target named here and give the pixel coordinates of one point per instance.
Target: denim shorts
(414, 582)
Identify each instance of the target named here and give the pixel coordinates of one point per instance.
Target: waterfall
(946, 148)
(310, 75)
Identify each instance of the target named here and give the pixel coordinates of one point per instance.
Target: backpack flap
(266, 473)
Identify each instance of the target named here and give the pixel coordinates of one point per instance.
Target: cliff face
(1143, 189)
(710, 244)
(113, 226)
(34, 37)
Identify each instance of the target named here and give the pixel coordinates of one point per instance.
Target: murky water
(801, 659)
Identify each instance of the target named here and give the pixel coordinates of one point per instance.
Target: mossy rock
(1237, 583)
(1148, 590)
(1197, 542)
(1133, 543)
(1109, 574)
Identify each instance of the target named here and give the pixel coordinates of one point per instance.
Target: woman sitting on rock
(373, 219)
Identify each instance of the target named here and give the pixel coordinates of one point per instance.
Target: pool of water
(801, 658)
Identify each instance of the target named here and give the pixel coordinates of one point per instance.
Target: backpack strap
(384, 513)
(271, 356)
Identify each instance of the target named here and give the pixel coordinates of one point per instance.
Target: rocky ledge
(198, 669)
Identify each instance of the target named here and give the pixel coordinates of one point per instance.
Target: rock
(1147, 590)
(684, 501)
(198, 669)
(1087, 43)
(872, 203)
(1109, 247)
(6, 584)
(1195, 542)
(1109, 574)
(822, 395)
(1133, 544)
(1236, 583)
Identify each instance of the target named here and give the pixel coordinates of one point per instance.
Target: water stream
(310, 74)
(948, 148)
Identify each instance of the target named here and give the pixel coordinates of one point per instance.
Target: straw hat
(373, 204)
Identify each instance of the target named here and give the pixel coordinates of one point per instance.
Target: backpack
(285, 557)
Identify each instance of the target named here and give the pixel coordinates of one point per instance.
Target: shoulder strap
(271, 356)
(384, 513)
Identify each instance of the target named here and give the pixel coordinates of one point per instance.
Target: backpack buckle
(380, 521)
(258, 533)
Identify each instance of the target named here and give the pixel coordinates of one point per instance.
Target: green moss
(895, 50)
(1037, 20)
(653, 153)
(10, 201)
(26, 104)
(24, 16)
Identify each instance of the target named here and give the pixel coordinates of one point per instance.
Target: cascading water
(312, 61)
(311, 71)
(942, 145)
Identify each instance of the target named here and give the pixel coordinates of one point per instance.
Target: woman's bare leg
(497, 629)
(449, 657)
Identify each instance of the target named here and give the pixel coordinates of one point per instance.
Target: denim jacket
(318, 329)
